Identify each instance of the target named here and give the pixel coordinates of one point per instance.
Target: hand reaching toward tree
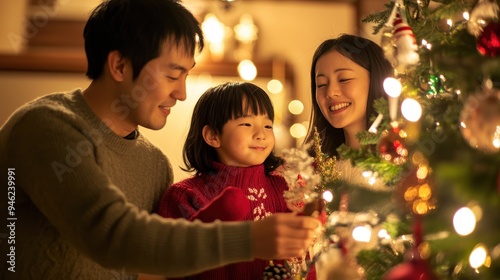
(283, 235)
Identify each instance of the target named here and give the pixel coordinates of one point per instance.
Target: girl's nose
(259, 134)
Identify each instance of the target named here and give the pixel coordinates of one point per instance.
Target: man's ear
(117, 65)
(210, 137)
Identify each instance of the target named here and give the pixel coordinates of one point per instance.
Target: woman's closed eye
(320, 85)
(345, 80)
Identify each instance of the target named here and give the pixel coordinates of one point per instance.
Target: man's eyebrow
(176, 66)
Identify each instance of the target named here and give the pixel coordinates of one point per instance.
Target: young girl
(347, 74)
(230, 147)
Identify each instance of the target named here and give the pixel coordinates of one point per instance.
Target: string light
(393, 88)
(275, 86)
(247, 70)
(298, 130)
(328, 196)
(464, 221)
(296, 107)
(362, 233)
(411, 109)
(478, 256)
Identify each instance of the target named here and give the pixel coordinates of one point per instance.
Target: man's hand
(283, 236)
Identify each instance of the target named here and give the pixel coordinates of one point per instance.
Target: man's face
(159, 85)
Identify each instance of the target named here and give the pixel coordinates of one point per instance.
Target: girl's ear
(210, 137)
(116, 64)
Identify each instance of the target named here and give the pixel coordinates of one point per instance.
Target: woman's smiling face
(342, 88)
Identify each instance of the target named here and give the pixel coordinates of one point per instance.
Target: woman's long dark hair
(368, 55)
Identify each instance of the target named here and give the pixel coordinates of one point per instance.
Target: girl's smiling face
(246, 141)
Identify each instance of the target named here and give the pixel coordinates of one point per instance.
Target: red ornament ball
(416, 269)
(488, 43)
(392, 145)
(480, 121)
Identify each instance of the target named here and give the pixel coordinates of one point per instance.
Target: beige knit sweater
(81, 197)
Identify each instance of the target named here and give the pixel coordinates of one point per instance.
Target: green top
(82, 198)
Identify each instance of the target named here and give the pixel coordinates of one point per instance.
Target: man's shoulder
(50, 105)
(55, 111)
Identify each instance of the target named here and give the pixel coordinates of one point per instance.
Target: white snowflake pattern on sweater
(259, 211)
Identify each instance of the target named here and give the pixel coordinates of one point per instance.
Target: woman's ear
(210, 137)
(116, 65)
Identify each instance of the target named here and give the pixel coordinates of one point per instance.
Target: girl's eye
(320, 85)
(245, 124)
(269, 126)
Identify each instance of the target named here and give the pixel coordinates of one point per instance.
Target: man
(82, 180)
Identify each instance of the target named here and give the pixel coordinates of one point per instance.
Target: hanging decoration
(480, 121)
(415, 266)
(432, 84)
(488, 43)
(485, 12)
(483, 24)
(392, 145)
(398, 40)
(406, 43)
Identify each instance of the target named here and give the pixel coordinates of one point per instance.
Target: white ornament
(406, 43)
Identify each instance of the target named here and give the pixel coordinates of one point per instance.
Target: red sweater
(265, 193)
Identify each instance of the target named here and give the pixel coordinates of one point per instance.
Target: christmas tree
(435, 146)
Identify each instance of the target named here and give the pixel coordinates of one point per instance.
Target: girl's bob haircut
(215, 108)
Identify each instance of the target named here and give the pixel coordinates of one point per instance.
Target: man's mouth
(165, 109)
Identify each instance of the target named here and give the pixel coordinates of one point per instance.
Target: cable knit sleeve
(178, 201)
(90, 212)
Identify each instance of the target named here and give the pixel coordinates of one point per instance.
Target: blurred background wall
(41, 51)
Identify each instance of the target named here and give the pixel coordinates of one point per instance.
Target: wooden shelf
(74, 61)
(45, 60)
(59, 47)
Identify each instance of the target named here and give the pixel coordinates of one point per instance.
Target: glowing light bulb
(384, 234)
(328, 196)
(246, 30)
(411, 109)
(392, 87)
(295, 107)
(247, 70)
(464, 221)
(478, 256)
(213, 29)
(274, 86)
(496, 137)
(466, 15)
(298, 130)
(362, 233)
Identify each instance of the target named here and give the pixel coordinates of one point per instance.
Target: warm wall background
(290, 30)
